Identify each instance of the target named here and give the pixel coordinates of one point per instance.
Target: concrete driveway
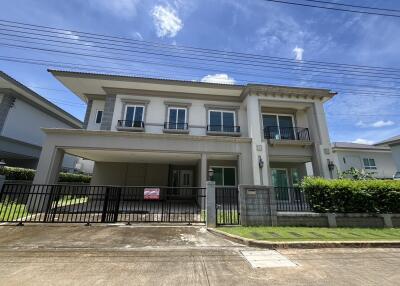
(146, 255)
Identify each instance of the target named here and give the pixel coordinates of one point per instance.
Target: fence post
(2, 180)
(331, 220)
(211, 220)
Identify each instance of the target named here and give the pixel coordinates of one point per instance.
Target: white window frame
(277, 121)
(223, 181)
(177, 108)
(134, 113)
(369, 166)
(97, 114)
(222, 117)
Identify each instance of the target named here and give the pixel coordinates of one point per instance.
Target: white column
(203, 170)
(211, 220)
(258, 146)
(49, 164)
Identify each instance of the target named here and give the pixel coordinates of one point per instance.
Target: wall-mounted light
(260, 162)
(210, 174)
(331, 165)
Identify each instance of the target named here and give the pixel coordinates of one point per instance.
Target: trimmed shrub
(21, 174)
(349, 196)
(18, 174)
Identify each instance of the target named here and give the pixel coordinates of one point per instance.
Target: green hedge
(22, 174)
(350, 196)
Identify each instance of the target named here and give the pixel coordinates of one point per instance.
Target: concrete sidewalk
(98, 255)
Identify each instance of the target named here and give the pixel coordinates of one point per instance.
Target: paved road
(98, 255)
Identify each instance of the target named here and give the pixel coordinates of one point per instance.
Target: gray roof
(389, 140)
(349, 145)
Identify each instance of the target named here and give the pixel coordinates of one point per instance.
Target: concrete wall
(396, 155)
(96, 105)
(130, 174)
(383, 160)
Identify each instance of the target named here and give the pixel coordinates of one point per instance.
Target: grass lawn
(12, 211)
(313, 233)
(70, 200)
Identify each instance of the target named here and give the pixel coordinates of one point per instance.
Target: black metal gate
(227, 205)
(100, 204)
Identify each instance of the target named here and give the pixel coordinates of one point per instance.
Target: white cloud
(166, 21)
(363, 141)
(120, 8)
(137, 36)
(70, 35)
(382, 123)
(299, 53)
(218, 78)
(377, 124)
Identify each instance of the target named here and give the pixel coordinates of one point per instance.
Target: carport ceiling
(134, 157)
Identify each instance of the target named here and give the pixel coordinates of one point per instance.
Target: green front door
(281, 183)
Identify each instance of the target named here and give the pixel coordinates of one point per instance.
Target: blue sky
(252, 26)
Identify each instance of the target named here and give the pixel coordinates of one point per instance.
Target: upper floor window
(279, 126)
(221, 121)
(134, 115)
(99, 116)
(177, 118)
(369, 164)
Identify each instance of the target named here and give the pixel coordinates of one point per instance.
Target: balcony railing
(130, 124)
(223, 128)
(176, 126)
(286, 133)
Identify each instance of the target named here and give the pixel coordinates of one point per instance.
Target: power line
(354, 72)
(334, 8)
(180, 48)
(100, 69)
(354, 6)
(180, 66)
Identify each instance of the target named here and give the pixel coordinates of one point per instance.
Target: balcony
(223, 130)
(130, 125)
(287, 135)
(174, 127)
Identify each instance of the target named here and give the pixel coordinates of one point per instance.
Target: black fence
(100, 204)
(176, 126)
(286, 133)
(291, 199)
(130, 123)
(223, 128)
(227, 205)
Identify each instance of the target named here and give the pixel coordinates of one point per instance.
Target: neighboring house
(143, 131)
(22, 115)
(371, 158)
(394, 144)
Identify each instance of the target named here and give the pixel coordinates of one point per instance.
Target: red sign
(151, 193)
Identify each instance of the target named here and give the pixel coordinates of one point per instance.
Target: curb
(304, 244)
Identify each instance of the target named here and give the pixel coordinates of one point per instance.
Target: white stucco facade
(353, 156)
(152, 153)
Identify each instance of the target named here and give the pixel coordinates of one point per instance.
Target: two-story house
(373, 159)
(144, 131)
(23, 113)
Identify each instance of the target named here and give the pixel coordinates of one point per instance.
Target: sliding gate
(96, 204)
